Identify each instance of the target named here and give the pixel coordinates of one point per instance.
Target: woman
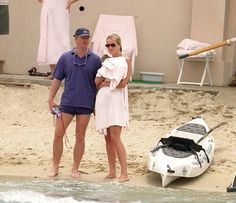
(111, 106)
(54, 31)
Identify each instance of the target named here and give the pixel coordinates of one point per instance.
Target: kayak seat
(193, 128)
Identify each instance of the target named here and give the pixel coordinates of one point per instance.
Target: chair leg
(208, 71)
(181, 67)
(203, 76)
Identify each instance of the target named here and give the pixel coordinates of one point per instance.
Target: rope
(67, 143)
(57, 114)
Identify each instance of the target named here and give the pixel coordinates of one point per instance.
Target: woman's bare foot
(123, 178)
(110, 176)
(75, 174)
(54, 171)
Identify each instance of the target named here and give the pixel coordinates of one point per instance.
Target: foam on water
(74, 191)
(25, 196)
(33, 197)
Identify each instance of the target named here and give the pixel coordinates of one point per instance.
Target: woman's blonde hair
(116, 38)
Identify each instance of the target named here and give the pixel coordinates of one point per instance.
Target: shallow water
(73, 191)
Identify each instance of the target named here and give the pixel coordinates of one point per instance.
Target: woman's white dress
(54, 31)
(111, 106)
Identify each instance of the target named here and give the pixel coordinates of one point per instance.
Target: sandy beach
(27, 134)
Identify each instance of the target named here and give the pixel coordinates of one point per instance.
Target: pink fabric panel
(124, 26)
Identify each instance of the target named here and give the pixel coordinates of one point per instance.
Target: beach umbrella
(208, 48)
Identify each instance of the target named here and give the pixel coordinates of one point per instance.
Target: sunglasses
(80, 64)
(108, 45)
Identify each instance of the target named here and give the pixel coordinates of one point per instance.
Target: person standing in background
(54, 31)
(4, 17)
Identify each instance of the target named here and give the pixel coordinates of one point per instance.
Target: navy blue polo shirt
(79, 74)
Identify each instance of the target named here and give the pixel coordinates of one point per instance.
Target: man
(78, 67)
(4, 17)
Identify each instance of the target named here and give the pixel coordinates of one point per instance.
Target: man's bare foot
(123, 178)
(75, 174)
(110, 176)
(54, 172)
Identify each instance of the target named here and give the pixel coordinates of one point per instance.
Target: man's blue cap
(82, 32)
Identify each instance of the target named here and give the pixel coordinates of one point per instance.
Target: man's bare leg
(61, 125)
(81, 126)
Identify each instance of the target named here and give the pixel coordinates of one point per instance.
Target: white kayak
(186, 151)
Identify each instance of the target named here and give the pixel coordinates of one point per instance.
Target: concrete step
(12, 79)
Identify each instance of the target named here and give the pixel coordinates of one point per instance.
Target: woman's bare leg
(111, 156)
(120, 150)
(52, 68)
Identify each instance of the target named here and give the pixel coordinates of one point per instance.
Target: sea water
(75, 191)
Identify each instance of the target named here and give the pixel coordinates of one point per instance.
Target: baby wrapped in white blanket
(113, 69)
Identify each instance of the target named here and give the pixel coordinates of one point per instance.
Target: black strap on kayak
(181, 144)
(196, 155)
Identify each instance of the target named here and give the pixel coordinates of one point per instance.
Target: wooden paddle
(213, 46)
(209, 132)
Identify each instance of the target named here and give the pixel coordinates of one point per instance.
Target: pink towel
(188, 45)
